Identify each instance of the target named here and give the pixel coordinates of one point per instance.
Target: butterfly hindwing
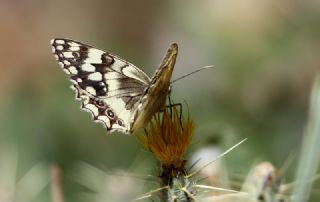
(109, 87)
(113, 112)
(154, 97)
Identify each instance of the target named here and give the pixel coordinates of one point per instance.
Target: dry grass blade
(56, 187)
(309, 158)
(217, 158)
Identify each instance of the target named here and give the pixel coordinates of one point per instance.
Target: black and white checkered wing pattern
(109, 87)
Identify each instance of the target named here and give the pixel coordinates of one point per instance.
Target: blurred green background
(266, 55)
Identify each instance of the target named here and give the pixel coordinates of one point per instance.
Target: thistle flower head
(168, 136)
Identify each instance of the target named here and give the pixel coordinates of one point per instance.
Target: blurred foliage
(266, 55)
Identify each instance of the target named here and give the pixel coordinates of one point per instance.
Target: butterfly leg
(179, 106)
(180, 111)
(146, 131)
(171, 104)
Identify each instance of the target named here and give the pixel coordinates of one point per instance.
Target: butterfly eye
(110, 113)
(100, 103)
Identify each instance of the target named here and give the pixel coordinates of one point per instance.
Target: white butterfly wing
(109, 87)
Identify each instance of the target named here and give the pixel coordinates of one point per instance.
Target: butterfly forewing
(109, 87)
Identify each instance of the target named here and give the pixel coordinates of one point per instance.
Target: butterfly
(114, 91)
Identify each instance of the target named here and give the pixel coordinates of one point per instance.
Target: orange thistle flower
(168, 136)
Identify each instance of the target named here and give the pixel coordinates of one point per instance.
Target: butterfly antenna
(198, 70)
